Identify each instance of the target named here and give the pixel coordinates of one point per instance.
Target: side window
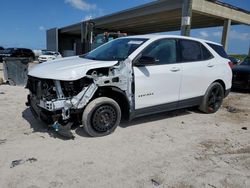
(164, 51)
(206, 54)
(190, 50)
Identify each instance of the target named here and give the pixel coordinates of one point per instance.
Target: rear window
(219, 50)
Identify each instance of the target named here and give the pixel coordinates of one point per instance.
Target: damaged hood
(67, 69)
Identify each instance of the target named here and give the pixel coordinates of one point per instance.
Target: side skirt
(166, 107)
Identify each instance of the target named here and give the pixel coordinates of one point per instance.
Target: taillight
(231, 65)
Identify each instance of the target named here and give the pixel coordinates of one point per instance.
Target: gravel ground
(179, 149)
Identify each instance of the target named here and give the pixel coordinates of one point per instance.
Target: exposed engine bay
(61, 102)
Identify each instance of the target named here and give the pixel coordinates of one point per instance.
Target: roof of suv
(155, 36)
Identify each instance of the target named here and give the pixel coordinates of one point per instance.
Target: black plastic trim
(166, 107)
(227, 92)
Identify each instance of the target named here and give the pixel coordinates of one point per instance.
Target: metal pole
(186, 17)
(225, 34)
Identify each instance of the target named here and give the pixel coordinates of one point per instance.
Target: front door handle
(175, 69)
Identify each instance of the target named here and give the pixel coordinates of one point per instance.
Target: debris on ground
(232, 109)
(63, 130)
(154, 182)
(17, 162)
(2, 93)
(3, 141)
(211, 185)
(31, 160)
(22, 161)
(244, 128)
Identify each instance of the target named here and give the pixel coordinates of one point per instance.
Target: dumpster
(16, 70)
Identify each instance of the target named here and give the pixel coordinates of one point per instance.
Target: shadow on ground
(41, 127)
(38, 126)
(156, 117)
(146, 119)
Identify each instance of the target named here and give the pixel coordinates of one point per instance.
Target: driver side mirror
(145, 60)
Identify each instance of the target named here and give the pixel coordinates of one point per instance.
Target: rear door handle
(175, 69)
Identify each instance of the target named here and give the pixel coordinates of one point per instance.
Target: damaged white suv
(129, 77)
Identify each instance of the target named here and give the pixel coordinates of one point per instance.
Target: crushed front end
(59, 103)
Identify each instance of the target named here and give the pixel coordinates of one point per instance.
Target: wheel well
(222, 83)
(117, 95)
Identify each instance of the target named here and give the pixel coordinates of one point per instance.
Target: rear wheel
(213, 98)
(101, 117)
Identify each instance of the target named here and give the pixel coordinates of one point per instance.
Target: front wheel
(213, 98)
(101, 117)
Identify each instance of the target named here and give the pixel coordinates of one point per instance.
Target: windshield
(246, 61)
(118, 49)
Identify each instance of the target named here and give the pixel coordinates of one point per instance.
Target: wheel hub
(215, 98)
(104, 118)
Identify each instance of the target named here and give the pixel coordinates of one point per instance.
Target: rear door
(159, 83)
(198, 67)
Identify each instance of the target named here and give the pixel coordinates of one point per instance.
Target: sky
(23, 23)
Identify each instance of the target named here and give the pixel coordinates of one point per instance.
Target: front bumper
(42, 60)
(42, 114)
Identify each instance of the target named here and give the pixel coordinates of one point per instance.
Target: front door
(158, 83)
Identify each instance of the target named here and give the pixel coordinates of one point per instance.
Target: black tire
(101, 117)
(213, 98)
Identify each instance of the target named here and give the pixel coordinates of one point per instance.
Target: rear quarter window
(206, 54)
(219, 50)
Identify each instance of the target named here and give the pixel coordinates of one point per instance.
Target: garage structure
(154, 17)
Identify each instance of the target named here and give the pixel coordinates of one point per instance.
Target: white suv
(129, 77)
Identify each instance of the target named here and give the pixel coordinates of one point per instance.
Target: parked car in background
(234, 60)
(241, 75)
(17, 52)
(49, 56)
(129, 77)
(1, 49)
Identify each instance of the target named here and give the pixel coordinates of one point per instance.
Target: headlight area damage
(61, 103)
